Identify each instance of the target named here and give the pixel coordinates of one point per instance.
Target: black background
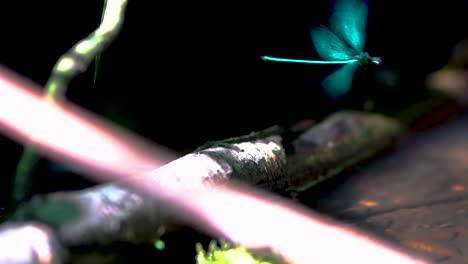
(185, 73)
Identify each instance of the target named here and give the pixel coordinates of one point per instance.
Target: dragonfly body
(342, 43)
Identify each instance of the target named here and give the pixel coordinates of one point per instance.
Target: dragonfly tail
(269, 58)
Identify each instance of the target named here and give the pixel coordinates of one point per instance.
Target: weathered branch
(111, 212)
(184, 194)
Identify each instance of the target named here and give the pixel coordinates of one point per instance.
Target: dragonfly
(342, 43)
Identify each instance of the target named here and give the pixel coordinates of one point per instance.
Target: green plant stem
(73, 62)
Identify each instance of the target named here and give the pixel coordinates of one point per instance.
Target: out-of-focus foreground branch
(341, 141)
(194, 189)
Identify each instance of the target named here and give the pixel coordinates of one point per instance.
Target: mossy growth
(229, 254)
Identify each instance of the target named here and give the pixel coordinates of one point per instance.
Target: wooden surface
(416, 194)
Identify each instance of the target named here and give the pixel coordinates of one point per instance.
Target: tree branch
(193, 195)
(112, 212)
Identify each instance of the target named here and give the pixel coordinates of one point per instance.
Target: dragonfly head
(376, 60)
(365, 59)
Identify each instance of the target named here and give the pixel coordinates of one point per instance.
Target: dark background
(184, 73)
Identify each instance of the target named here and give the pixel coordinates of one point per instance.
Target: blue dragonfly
(342, 43)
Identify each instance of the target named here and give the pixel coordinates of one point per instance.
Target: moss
(228, 254)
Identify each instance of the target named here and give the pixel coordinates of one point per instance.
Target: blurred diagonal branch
(322, 151)
(271, 159)
(70, 64)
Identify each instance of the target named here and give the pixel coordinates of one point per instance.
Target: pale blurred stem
(70, 64)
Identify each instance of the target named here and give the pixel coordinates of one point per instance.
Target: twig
(73, 62)
(78, 58)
